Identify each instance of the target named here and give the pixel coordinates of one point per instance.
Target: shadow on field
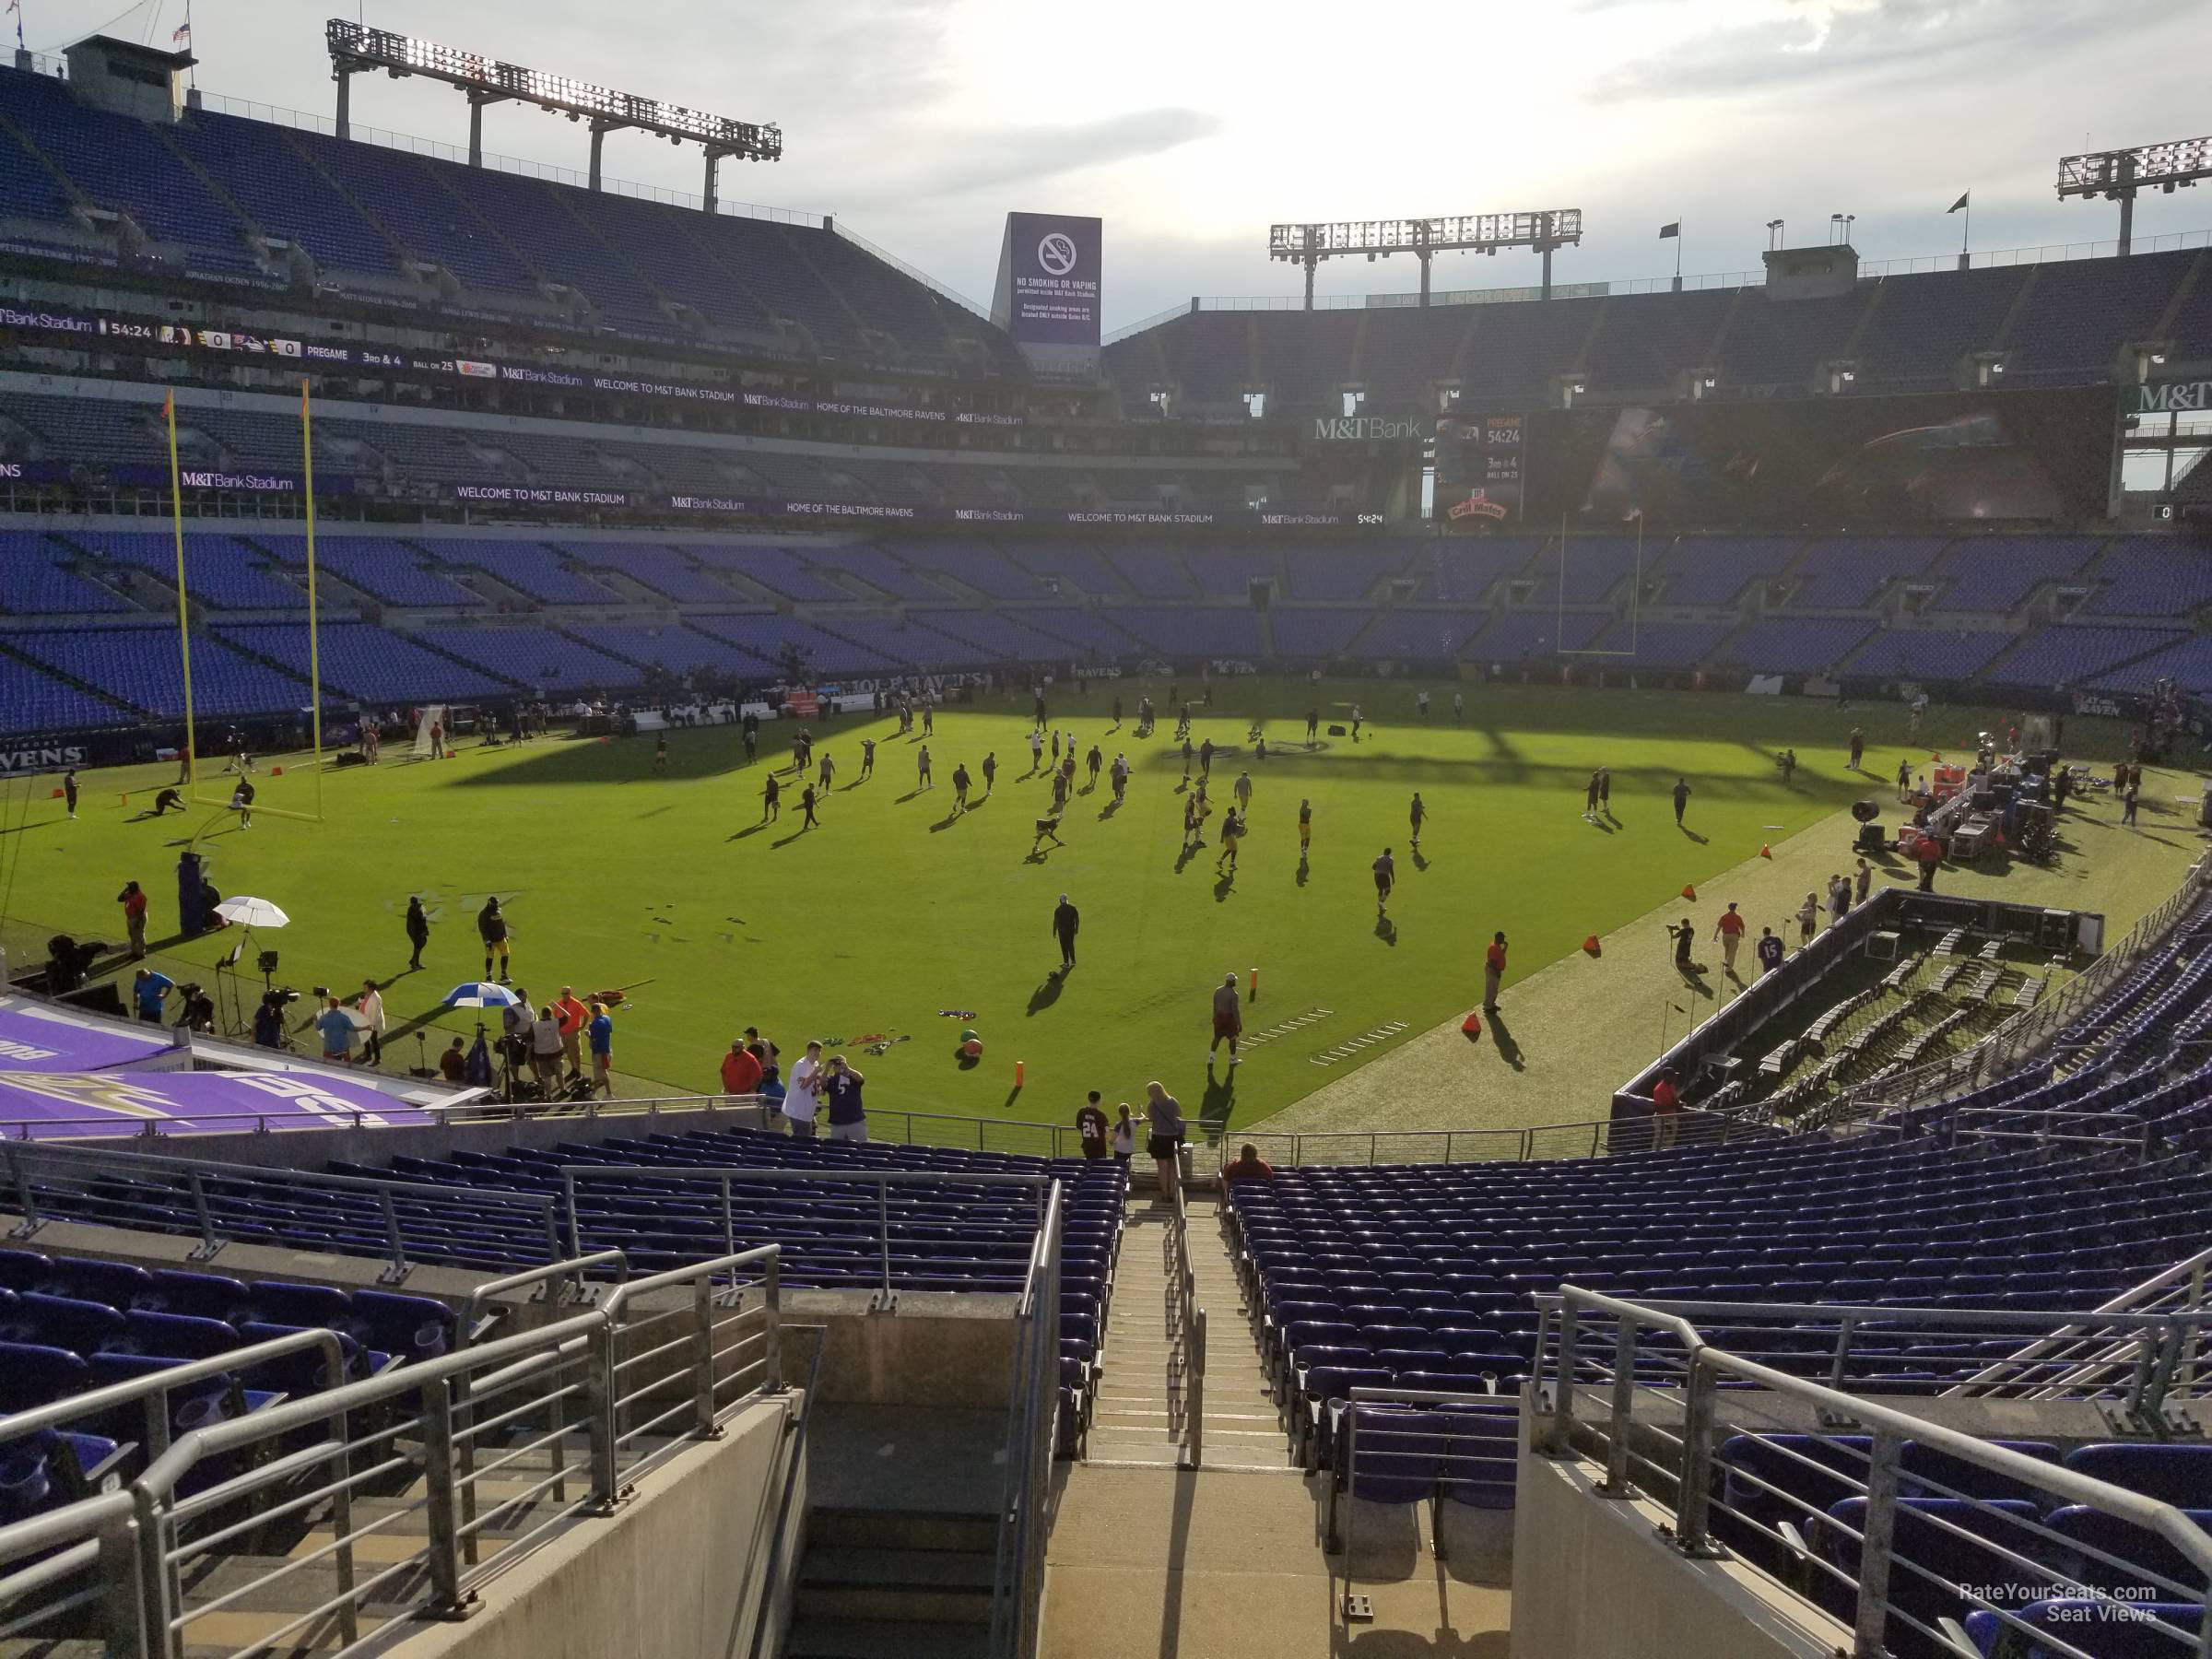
(1047, 993)
(1508, 1050)
(1386, 930)
(1220, 1099)
(1304, 869)
(1111, 807)
(1224, 885)
(1694, 835)
(752, 830)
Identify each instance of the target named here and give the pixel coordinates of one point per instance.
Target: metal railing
(436, 1461)
(2026, 1034)
(1032, 1430)
(1186, 1333)
(723, 1178)
(406, 1217)
(1667, 1402)
(1586, 1139)
(2086, 1358)
(1023, 1137)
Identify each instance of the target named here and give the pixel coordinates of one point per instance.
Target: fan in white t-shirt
(802, 1099)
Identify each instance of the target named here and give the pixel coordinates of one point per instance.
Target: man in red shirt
(573, 1016)
(1247, 1167)
(1729, 930)
(1493, 972)
(740, 1070)
(1667, 1106)
(133, 918)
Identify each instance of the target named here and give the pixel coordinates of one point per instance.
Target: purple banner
(34, 472)
(37, 1038)
(68, 1105)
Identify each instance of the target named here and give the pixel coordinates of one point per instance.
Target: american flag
(181, 33)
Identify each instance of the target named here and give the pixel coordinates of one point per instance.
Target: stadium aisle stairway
(1137, 1411)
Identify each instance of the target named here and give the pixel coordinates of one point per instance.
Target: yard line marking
(1366, 1040)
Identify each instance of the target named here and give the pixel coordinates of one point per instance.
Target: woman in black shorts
(1164, 1135)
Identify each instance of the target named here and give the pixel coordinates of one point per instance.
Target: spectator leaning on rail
(740, 1070)
(848, 1116)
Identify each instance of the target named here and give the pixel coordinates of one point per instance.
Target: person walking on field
(807, 819)
(922, 779)
(1094, 760)
(771, 799)
(990, 773)
(1729, 930)
(1858, 746)
(1228, 1020)
(69, 790)
(1681, 799)
(600, 1034)
(1037, 750)
(1232, 832)
(1119, 772)
(1305, 829)
(1313, 725)
(491, 927)
(868, 759)
(1386, 877)
(1067, 921)
(827, 770)
(960, 785)
(418, 930)
(369, 1005)
(1242, 789)
(133, 899)
(1605, 791)
(1590, 797)
(1493, 972)
(1418, 812)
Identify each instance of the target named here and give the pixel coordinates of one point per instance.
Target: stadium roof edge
(1910, 266)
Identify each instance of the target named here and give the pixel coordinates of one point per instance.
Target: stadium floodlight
(356, 49)
(2117, 175)
(1468, 232)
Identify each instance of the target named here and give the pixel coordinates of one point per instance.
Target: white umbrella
(480, 994)
(252, 912)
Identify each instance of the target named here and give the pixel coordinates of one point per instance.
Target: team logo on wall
(1056, 253)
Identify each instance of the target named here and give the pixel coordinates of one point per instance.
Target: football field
(900, 919)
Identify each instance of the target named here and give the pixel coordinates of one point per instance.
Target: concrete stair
(877, 1582)
(1139, 1412)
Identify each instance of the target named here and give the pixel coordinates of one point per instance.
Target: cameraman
(268, 1021)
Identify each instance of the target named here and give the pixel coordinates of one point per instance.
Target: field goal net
(1568, 557)
(433, 733)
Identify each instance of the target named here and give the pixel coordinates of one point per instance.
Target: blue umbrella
(480, 994)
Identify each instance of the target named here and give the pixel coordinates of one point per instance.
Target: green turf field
(895, 909)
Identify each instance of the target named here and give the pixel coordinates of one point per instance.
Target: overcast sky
(1190, 125)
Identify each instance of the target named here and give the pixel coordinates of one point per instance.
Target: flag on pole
(1960, 203)
(181, 33)
(1673, 230)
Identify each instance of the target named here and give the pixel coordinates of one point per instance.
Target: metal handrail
(1701, 1365)
(1696, 1127)
(141, 1588)
(2185, 1277)
(1017, 1565)
(727, 1176)
(1186, 1344)
(25, 1157)
(153, 1389)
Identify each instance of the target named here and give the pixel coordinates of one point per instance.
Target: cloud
(1824, 42)
(963, 160)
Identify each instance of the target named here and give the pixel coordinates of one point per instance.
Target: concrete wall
(679, 1571)
(1593, 1579)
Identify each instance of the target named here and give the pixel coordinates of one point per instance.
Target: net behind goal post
(1635, 600)
(222, 796)
(433, 716)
